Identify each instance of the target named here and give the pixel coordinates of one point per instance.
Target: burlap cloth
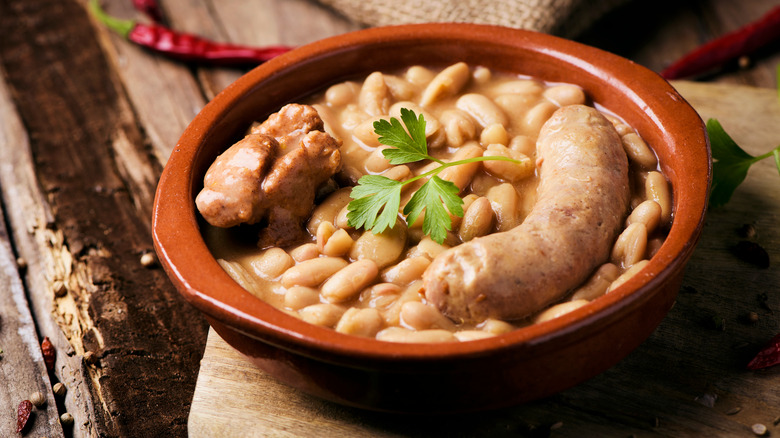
(566, 18)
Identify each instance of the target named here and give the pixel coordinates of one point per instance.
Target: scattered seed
(752, 317)
(556, 425)
(37, 399)
(752, 253)
(747, 231)
(744, 62)
(733, 411)
(59, 389)
(707, 399)
(59, 288)
(148, 260)
(66, 419)
(656, 421)
(21, 263)
(776, 421)
(758, 429)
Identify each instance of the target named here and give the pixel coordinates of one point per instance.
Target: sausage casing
(583, 197)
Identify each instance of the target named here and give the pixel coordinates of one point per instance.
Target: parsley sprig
(731, 163)
(377, 199)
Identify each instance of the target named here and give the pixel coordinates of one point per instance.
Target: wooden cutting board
(687, 379)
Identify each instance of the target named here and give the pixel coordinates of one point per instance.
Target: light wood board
(688, 379)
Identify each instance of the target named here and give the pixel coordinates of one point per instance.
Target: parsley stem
(445, 165)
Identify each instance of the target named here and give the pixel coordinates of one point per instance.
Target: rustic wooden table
(87, 122)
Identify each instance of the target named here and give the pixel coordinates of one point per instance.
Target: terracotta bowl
(526, 364)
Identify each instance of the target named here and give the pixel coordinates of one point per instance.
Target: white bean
(298, 297)
(328, 208)
(324, 231)
(458, 127)
(312, 272)
(420, 316)
(339, 244)
(271, 263)
(507, 170)
(598, 283)
(566, 94)
(477, 220)
(506, 205)
(419, 75)
(483, 110)
(342, 93)
(360, 322)
(349, 281)
(472, 335)
(624, 277)
(398, 334)
(638, 151)
(494, 134)
(374, 97)
(559, 310)
(630, 246)
(307, 251)
(657, 189)
(322, 314)
(648, 213)
(447, 83)
(536, 117)
(383, 248)
(407, 271)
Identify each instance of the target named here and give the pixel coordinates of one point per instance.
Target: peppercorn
(59, 389)
(66, 419)
(37, 399)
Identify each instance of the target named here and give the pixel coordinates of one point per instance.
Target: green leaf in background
(731, 163)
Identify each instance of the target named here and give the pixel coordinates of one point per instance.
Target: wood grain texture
(687, 380)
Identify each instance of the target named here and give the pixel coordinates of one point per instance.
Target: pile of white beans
(367, 284)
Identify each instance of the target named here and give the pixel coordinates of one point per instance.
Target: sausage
(583, 196)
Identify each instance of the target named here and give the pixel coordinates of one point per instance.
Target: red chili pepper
(767, 357)
(23, 414)
(729, 47)
(184, 46)
(49, 354)
(151, 8)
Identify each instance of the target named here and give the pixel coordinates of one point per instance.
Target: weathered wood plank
(687, 380)
(92, 226)
(22, 370)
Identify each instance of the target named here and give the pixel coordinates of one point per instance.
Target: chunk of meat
(583, 197)
(255, 179)
(292, 183)
(232, 192)
(290, 124)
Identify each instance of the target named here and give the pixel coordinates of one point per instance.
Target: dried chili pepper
(729, 47)
(184, 46)
(768, 356)
(49, 354)
(23, 414)
(151, 8)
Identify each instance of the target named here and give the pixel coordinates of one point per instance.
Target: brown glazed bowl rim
(203, 283)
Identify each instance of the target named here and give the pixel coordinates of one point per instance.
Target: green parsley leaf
(430, 197)
(731, 163)
(409, 147)
(374, 193)
(376, 199)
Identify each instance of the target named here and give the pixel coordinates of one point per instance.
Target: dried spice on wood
(184, 46)
(23, 415)
(768, 356)
(734, 45)
(49, 354)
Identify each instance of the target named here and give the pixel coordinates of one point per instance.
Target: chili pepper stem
(122, 27)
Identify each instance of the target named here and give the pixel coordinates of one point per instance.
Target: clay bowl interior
(526, 364)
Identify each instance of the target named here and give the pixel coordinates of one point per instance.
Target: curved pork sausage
(583, 197)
